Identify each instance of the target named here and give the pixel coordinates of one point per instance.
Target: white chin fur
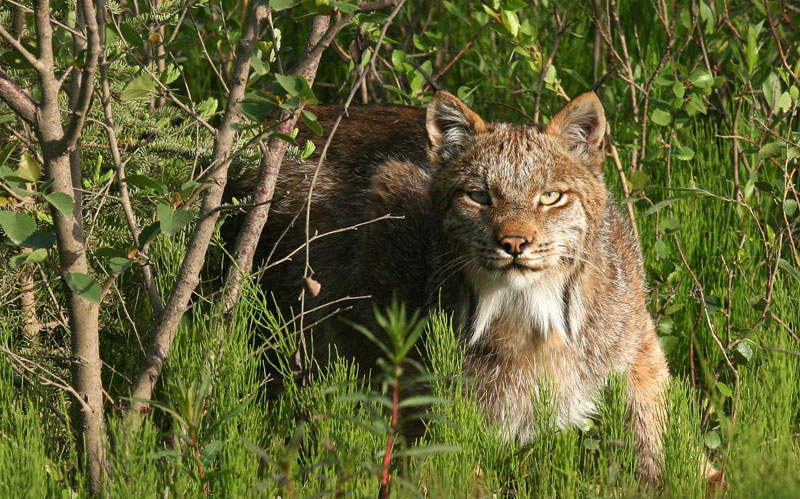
(519, 301)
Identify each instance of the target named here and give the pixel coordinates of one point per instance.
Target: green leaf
(130, 35)
(346, 7)
(29, 168)
(724, 389)
(712, 439)
(146, 183)
(713, 304)
(751, 50)
(639, 180)
(591, 444)
(85, 287)
(661, 248)
(701, 78)
(210, 451)
(660, 117)
(678, 89)
(6, 151)
(18, 226)
(661, 205)
(170, 74)
(668, 343)
(311, 122)
(149, 233)
(684, 153)
(695, 105)
(277, 5)
(772, 149)
(510, 21)
(787, 267)
(34, 256)
(743, 347)
(763, 186)
(291, 84)
(172, 221)
(207, 107)
(419, 400)
(370, 336)
(61, 201)
(118, 265)
(108, 252)
(308, 150)
(670, 225)
(784, 102)
(140, 88)
(257, 111)
(789, 207)
(41, 240)
(232, 414)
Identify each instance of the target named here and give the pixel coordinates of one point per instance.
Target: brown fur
(569, 310)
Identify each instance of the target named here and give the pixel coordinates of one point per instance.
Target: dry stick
(206, 54)
(189, 274)
(32, 60)
(28, 10)
(625, 189)
(777, 39)
(353, 90)
(560, 28)
(649, 85)
(256, 218)
(124, 195)
(17, 99)
(457, 56)
(699, 288)
(288, 257)
(21, 364)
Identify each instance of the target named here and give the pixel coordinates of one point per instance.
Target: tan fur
(569, 310)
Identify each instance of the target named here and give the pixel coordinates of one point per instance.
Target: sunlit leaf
(62, 202)
(18, 226)
(29, 168)
(84, 286)
(172, 221)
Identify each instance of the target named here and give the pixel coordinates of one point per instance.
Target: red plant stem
(199, 463)
(387, 457)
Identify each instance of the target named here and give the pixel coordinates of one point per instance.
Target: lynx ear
(582, 123)
(450, 125)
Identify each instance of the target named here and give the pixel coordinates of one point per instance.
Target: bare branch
(85, 91)
(188, 275)
(271, 160)
(125, 200)
(17, 99)
(32, 60)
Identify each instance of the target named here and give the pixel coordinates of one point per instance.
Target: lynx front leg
(647, 381)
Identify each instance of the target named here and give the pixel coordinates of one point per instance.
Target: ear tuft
(582, 123)
(450, 124)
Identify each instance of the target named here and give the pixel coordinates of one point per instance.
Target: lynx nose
(513, 245)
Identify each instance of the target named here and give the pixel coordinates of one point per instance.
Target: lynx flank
(507, 227)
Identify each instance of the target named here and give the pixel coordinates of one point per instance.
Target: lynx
(509, 228)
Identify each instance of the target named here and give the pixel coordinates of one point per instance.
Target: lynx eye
(549, 198)
(480, 197)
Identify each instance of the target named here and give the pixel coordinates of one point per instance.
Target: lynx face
(518, 206)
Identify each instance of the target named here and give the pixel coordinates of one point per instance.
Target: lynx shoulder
(507, 227)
